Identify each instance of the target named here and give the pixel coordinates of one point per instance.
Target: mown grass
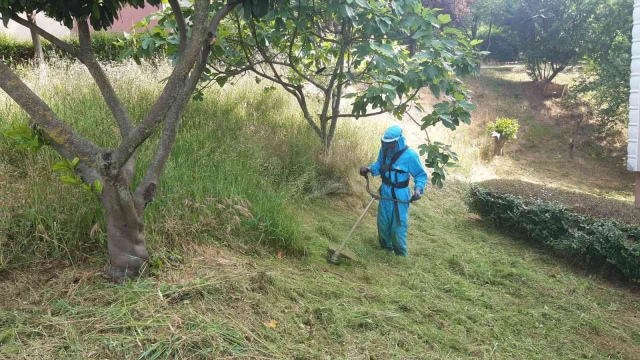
(465, 292)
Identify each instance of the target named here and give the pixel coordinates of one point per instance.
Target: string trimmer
(335, 253)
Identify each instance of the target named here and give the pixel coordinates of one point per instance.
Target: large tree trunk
(125, 237)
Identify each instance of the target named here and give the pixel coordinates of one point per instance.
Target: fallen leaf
(271, 324)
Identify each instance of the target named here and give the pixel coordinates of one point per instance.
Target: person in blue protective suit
(395, 163)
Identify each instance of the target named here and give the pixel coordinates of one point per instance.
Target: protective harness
(386, 172)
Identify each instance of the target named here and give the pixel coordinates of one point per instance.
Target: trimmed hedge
(586, 204)
(595, 241)
(14, 51)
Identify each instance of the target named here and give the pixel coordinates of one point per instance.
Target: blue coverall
(393, 235)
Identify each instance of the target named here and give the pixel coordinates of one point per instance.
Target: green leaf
(383, 25)
(435, 90)
(389, 87)
(468, 106)
(444, 18)
(373, 91)
(95, 10)
(429, 120)
(363, 3)
(465, 117)
(476, 42)
(6, 16)
(385, 49)
(198, 96)
(452, 31)
(97, 187)
(347, 12)
(431, 72)
(397, 8)
(74, 162)
(69, 179)
(125, 53)
(441, 108)
(147, 43)
(61, 166)
(222, 80)
(448, 123)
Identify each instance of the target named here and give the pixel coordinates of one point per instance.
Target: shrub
(589, 205)
(507, 128)
(12, 50)
(553, 224)
(15, 51)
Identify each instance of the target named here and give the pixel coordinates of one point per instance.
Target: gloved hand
(364, 170)
(417, 195)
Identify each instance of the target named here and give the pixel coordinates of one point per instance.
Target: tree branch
(292, 89)
(100, 77)
(166, 99)
(295, 68)
(62, 136)
(86, 56)
(148, 186)
(52, 39)
(328, 93)
(305, 111)
(409, 99)
(335, 106)
(182, 25)
(212, 30)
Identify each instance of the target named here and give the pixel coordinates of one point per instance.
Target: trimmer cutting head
(333, 256)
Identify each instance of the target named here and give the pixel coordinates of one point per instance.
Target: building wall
(633, 161)
(128, 17)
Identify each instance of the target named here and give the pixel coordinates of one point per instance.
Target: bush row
(595, 241)
(15, 51)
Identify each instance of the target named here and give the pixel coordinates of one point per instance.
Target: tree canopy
(351, 56)
(100, 13)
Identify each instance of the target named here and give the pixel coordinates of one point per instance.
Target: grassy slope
(541, 153)
(466, 292)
